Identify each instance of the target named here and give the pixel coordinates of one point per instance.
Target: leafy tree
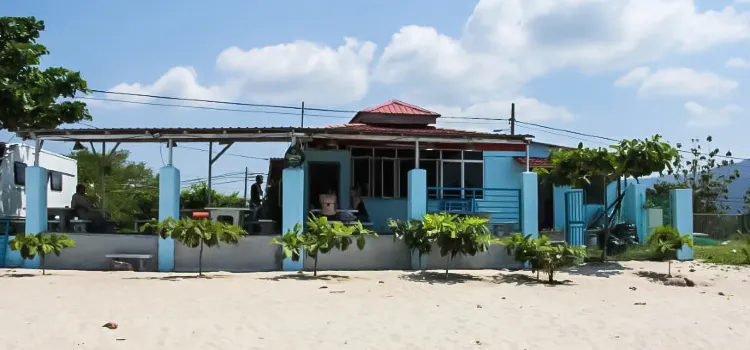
(321, 237)
(131, 189)
(666, 241)
(629, 158)
(747, 201)
(542, 255)
(42, 244)
(197, 233)
(30, 96)
(413, 234)
(196, 197)
(458, 236)
(697, 171)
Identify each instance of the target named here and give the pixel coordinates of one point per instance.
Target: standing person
(256, 200)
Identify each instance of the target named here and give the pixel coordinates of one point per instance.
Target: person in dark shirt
(256, 192)
(358, 204)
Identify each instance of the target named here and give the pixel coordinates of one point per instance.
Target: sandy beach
(614, 307)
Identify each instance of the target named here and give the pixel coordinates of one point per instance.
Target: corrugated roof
(399, 107)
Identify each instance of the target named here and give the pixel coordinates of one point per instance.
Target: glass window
(473, 155)
(453, 155)
(361, 152)
(385, 152)
(404, 166)
(407, 153)
(432, 154)
(377, 178)
(19, 173)
(361, 175)
(452, 179)
(474, 178)
(433, 178)
(55, 181)
(389, 178)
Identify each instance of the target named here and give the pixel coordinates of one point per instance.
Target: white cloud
(284, 73)
(527, 109)
(737, 62)
(676, 82)
(702, 116)
(506, 43)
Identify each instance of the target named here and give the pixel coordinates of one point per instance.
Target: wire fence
(721, 226)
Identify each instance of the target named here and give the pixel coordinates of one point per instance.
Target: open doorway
(323, 179)
(546, 206)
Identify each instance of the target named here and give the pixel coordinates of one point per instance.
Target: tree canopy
(131, 188)
(196, 197)
(30, 96)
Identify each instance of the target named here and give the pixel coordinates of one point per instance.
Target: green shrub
(413, 234)
(542, 255)
(666, 241)
(42, 244)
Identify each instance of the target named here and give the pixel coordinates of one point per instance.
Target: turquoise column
(529, 204)
(417, 208)
(632, 209)
(169, 206)
(36, 206)
(293, 209)
(682, 218)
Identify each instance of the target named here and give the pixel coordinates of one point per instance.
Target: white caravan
(61, 182)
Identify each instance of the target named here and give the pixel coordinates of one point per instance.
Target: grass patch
(729, 254)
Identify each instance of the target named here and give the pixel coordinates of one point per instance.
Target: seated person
(358, 204)
(85, 210)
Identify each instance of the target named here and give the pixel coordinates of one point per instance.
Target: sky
(614, 68)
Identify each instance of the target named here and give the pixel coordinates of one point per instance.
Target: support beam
(416, 154)
(417, 208)
(682, 218)
(169, 206)
(211, 161)
(293, 210)
(530, 204)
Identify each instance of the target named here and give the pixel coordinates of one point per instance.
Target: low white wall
(90, 250)
(495, 258)
(253, 253)
(380, 253)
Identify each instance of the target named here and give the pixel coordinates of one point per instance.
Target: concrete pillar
(417, 208)
(293, 209)
(632, 209)
(681, 203)
(530, 204)
(36, 206)
(169, 206)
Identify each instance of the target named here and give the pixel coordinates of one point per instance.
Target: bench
(139, 257)
(79, 226)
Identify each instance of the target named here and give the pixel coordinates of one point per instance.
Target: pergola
(293, 178)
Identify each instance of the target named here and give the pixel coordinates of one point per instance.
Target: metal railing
(500, 205)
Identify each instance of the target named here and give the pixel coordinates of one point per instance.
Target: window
(19, 173)
(55, 181)
(384, 172)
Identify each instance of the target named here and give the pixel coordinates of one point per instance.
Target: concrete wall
(253, 253)
(90, 250)
(380, 253)
(495, 258)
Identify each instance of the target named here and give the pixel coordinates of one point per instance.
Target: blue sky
(616, 68)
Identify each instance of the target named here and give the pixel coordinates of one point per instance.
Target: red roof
(397, 130)
(399, 107)
(534, 162)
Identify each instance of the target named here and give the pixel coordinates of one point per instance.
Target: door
(574, 218)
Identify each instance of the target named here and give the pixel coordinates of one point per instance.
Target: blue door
(574, 219)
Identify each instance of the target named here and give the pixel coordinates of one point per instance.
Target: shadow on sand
(434, 277)
(520, 279)
(18, 275)
(598, 269)
(175, 278)
(307, 277)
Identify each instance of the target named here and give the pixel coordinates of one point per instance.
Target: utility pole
(513, 118)
(302, 120)
(245, 184)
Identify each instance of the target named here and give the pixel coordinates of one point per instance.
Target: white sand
(490, 310)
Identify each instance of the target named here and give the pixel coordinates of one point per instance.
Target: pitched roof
(399, 107)
(422, 130)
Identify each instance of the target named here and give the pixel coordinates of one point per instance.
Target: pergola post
(417, 208)
(681, 201)
(36, 201)
(293, 210)
(529, 204)
(169, 206)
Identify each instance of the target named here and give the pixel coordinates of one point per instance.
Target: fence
(721, 226)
